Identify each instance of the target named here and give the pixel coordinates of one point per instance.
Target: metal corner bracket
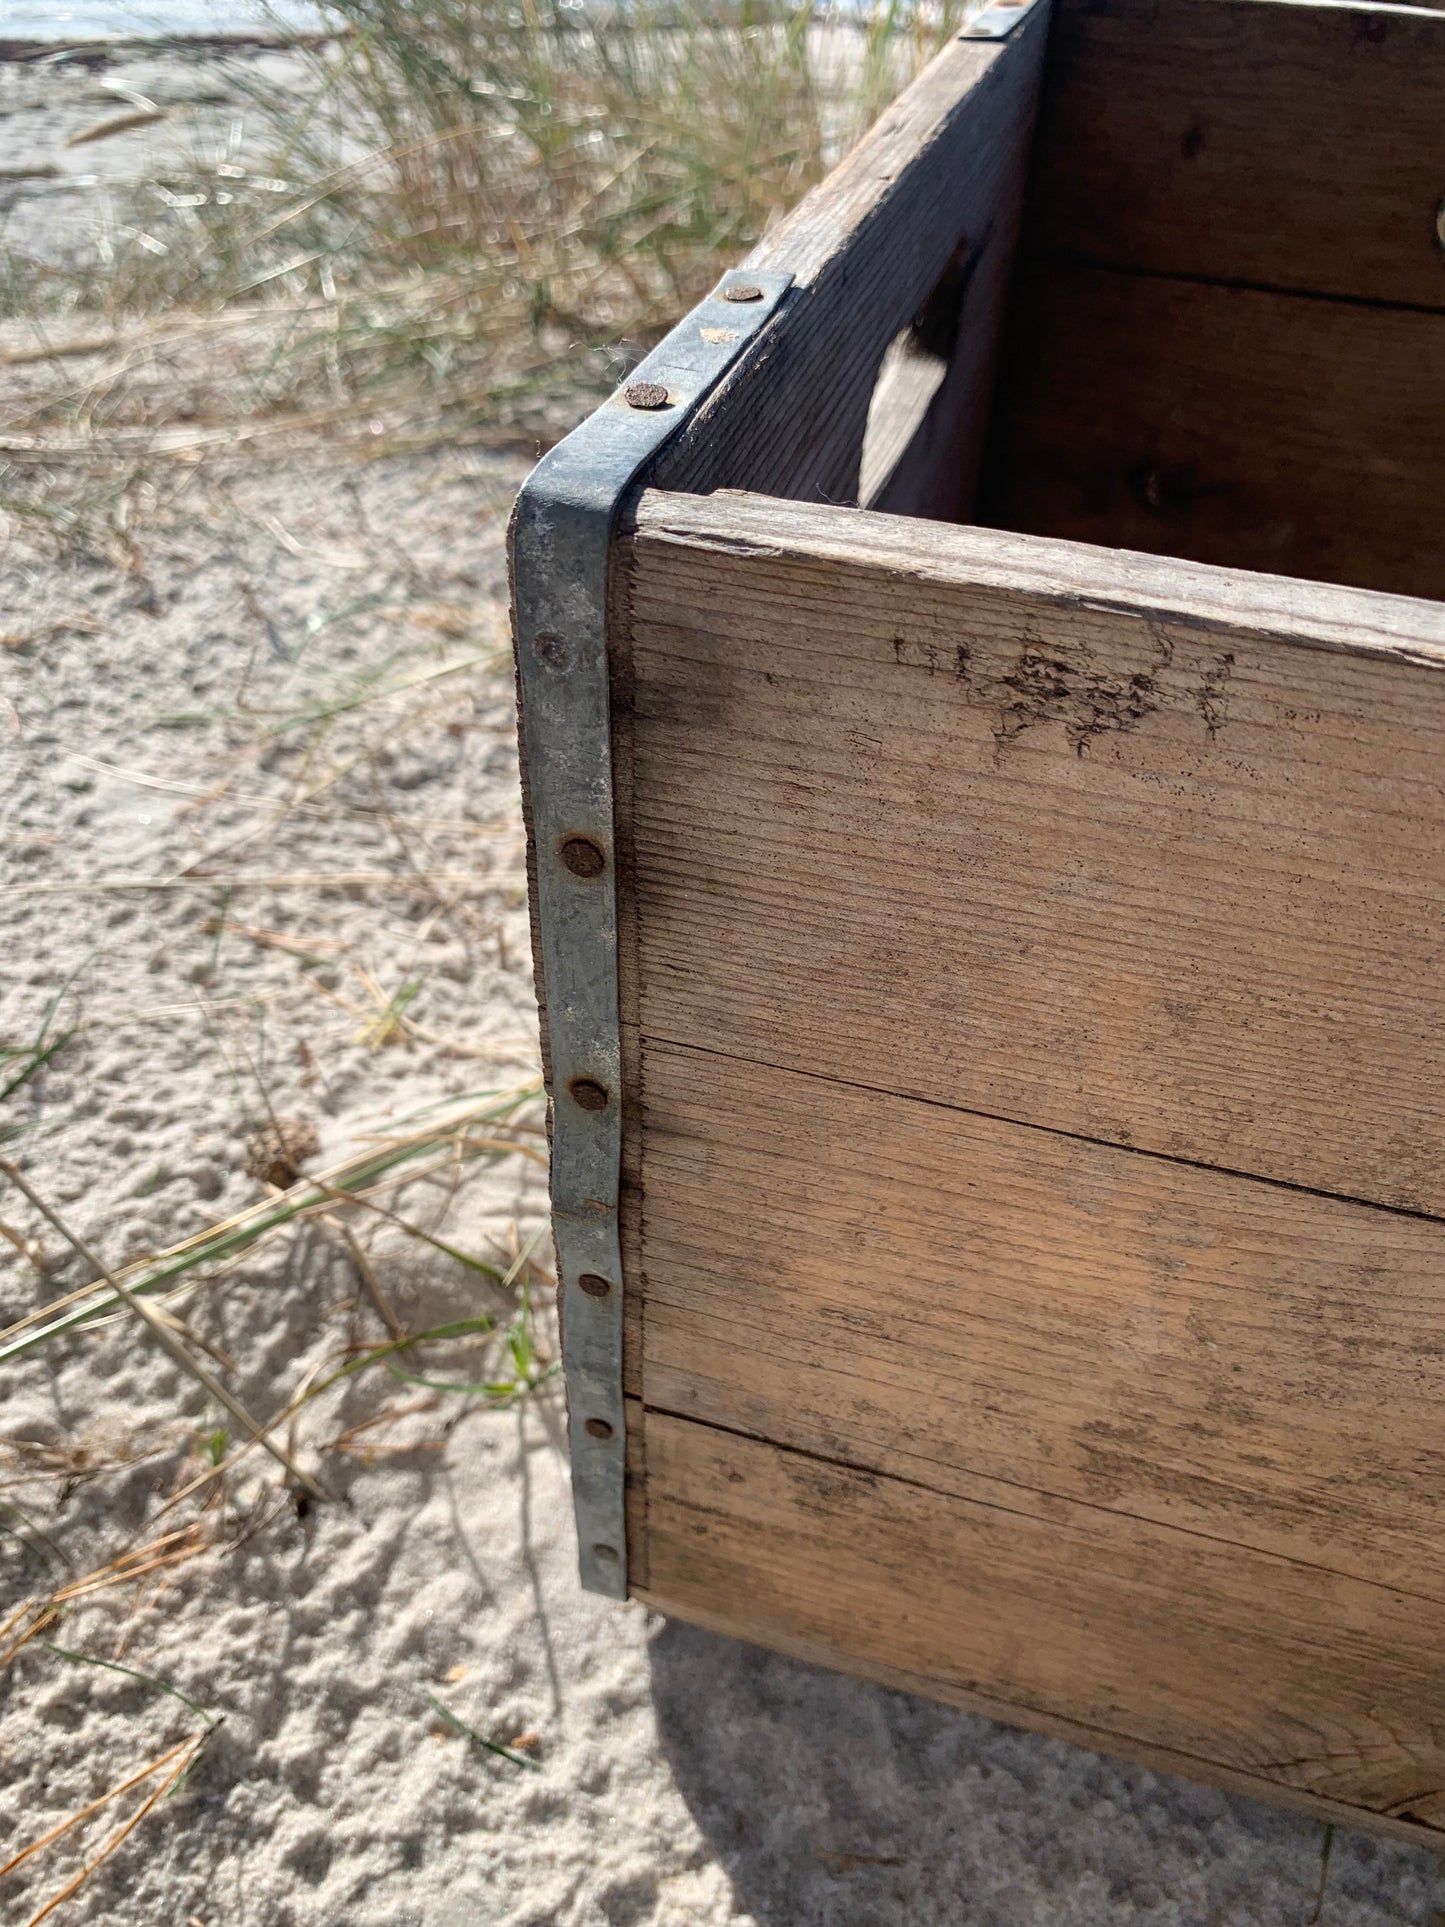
(561, 536)
(997, 20)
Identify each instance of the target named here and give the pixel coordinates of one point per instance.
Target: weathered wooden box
(992, 940)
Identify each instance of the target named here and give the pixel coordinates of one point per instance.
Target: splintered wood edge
(1405, 629)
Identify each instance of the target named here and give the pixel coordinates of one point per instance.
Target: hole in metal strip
(582, 855)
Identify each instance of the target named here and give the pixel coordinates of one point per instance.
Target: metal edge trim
(561, 537)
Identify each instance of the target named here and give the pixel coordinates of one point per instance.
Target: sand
(161, 719)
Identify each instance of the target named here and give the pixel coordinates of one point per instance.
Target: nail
(554, 651)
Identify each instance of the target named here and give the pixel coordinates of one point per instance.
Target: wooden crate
(992, 941)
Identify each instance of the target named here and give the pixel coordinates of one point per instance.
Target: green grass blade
(479, 1739)
(146, 1679)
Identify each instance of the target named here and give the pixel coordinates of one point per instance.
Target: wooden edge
(940, 175)
(871, 175)
(620, 697)
(636, 1494)
(1315, 615)
(1158, 1759)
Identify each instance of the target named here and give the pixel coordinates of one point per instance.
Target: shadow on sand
(841, 1804)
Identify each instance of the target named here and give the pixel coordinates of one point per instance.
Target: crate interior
(1224, 335)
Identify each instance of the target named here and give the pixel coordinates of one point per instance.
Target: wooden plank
(1140, 1640)
(941, 174)
(1258, 431)
(1290, 146)
(1146, 852)
(978, 1306)
(715, 1619)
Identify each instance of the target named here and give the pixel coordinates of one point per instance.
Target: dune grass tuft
(470, 205)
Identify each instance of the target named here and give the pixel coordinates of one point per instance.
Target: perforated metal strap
(561, 536)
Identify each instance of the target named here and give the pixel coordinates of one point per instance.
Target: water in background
(152, 19)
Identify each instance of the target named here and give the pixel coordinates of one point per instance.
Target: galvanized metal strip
(561, 536)
(997, 20)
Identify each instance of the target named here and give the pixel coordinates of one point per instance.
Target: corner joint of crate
(561, 534)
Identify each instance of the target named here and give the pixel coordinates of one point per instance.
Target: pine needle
(123, 1832)
(85, 1812)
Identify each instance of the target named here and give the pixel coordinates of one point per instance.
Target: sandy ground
(280, 700)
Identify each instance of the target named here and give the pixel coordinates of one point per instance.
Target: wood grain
(1290, 146)
(1139, 1639)
(1147, 853)
(977, 1306)
(942, 172)
(1258, 431)
(715, 1617)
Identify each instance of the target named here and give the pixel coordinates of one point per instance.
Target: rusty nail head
(588, 1094)
(609, 1553)
(743, 291)
(554, 651)
(645, 394)
(582, 856)
(593, 1284)
(598, 1428)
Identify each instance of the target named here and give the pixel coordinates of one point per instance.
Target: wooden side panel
(1259, 431)
(1289, 146)
(1136, 1638)
(1147, 853)
(979, 1307)
(1228, 339)
(939, 180)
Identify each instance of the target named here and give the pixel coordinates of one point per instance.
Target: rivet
(598, 1428)
(645, 394)
(582, 856)
(554, 651)
(607, 1553)
(588, 1094)
(743, 291)
(593, 1284)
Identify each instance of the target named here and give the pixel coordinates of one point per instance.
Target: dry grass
(507, 1358)
(179, 1759)
(473, 206)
